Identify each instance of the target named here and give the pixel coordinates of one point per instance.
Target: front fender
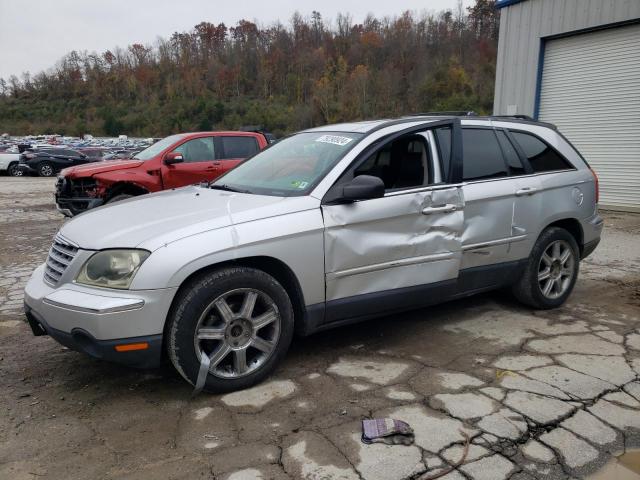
(295, 239)
(150, 183)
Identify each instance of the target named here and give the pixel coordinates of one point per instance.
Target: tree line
(284, 78)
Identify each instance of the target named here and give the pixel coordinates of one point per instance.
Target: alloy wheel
(238, 331)
(556, 269)
(46, 170)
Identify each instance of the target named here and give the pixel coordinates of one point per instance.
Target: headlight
(112, 268)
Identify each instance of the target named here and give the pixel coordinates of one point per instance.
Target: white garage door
(591, 91)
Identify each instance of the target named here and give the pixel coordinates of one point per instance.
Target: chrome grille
(61, 254)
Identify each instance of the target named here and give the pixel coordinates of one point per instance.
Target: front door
(199, 164)
(387, 252)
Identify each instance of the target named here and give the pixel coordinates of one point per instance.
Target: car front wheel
(233, 325)
(118, 198)
(551, 272)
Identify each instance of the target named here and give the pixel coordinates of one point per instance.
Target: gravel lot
(540, 394)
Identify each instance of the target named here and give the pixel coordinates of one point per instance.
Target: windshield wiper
(227, 188)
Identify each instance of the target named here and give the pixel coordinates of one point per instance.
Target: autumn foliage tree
(285, 78)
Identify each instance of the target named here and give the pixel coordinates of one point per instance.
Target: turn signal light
(129, 347)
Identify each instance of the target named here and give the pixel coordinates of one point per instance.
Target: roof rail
(519, 117)
(522, 118)
(453, 113)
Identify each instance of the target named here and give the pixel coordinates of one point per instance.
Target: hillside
(283, 77)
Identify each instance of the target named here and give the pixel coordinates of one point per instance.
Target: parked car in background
(120, 154)
(326, 227)
(175, 161)
(46, 162)
(96, 153)
(9, 161)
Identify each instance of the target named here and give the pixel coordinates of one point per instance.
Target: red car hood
(90, 169)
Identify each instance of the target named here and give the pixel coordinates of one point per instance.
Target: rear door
(198, 165)
(399, 250)
(532, 195)
(234, 149)
(489, 193)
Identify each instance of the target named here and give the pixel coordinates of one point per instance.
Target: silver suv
(326, 227)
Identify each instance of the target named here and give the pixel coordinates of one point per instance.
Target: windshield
(291, 167)
(158, 147)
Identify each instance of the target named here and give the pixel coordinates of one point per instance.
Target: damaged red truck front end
(174, 161)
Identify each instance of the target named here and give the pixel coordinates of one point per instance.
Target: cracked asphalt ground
(546, 395)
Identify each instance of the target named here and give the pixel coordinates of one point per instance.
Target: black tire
(14, 171)
(117, 198)
(196, 298)
(529, 289)
(45, 169)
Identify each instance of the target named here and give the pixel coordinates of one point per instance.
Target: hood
(93, 168)
(153, 220)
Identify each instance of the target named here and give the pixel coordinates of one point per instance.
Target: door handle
(526, 191)
(440, 209)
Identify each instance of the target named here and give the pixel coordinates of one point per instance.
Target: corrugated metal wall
(521, 27)
(591, 91)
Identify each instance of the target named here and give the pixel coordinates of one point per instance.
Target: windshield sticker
(299, 184)
(334, 139)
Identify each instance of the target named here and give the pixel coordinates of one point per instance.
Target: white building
(576, 63)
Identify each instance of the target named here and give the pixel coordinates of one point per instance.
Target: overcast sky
(34, 34)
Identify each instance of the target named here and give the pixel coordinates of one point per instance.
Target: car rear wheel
(233, 325)
(45, 169)
(14, 170)
(551, 272)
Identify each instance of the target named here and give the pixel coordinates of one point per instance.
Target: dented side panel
(488, 222)
(389, 243)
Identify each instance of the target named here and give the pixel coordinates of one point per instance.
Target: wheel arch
(571, 225)
(119, 188)
(270, 265)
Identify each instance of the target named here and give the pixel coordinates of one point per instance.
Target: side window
(64, 153)
(541, 156)
(402, 163)
(239, 147)
(510, 154)
(482, 157)
(443, 139)
(197, 150)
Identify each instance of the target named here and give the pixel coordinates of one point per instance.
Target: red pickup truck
(174, 161)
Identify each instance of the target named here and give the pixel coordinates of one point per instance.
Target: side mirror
(363, 187)
(173, 157)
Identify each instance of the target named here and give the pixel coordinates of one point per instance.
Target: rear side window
(510, 154)
(93, 153)
(64, 153)
(239, 147)
(482, 156)
(540, 155)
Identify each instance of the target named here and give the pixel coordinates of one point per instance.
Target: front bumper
(69, 203)
(73, 206)
(96, 321)
(147, 352)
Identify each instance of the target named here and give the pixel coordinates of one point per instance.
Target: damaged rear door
(399, 251)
